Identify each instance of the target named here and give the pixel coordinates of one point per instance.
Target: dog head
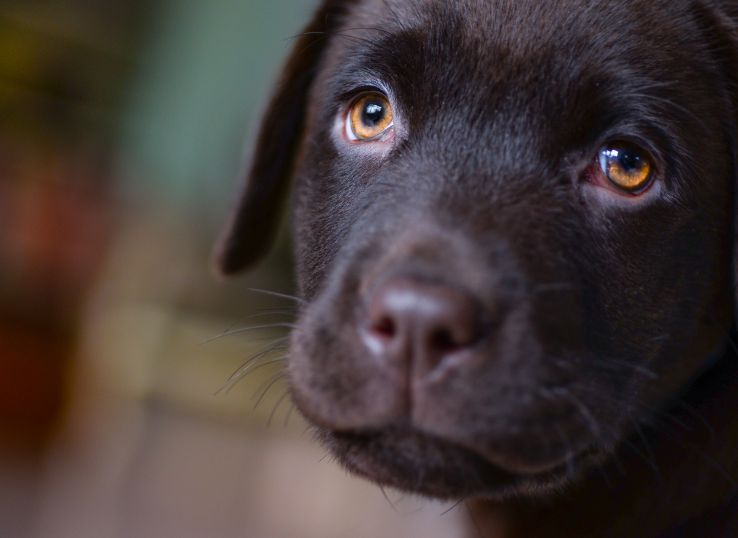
(513, 224)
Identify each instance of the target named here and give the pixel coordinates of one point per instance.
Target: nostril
(410, 321)
(385, 327)
(443, 341)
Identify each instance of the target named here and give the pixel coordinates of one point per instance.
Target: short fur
(612, 365)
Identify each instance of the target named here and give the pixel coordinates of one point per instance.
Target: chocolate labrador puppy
(515, 239)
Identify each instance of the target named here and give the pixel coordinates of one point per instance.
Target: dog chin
(418, 463)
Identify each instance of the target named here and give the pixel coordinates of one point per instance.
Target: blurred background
(122, 128)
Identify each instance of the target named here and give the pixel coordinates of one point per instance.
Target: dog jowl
(514, 233)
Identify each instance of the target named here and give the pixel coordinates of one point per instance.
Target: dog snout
(417, 325)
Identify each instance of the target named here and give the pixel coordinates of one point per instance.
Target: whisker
(304, 34)
(284, 311)
(271, 382)
(584, 411)
(280, 295)
(662, 416)
(261, 313)
(608, 365)
(453, 507)
(279, 325)
(371, 29)
(274, 345)
(246, 369)
(639, 368)
(289, 415)
(276, 407)
(633, 447)
(647, 448)
(218, 336)
(229, 386)
(702, 453)
(386, 498)
(691, 411)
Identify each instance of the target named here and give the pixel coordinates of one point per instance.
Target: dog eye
(626, 166)
(369, 117)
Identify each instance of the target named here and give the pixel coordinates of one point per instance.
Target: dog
(514, 230)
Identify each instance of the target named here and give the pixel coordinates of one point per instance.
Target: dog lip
(506, 454)
(513, 463)
(428, 465)
(518, 465)
(460, 473)
(504, 462)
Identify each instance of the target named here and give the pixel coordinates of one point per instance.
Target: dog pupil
(373, 114)
(630, 161)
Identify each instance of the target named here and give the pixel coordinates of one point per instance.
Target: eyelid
(346, 97)
(649, 138)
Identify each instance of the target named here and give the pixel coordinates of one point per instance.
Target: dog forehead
(517, 21)
(519, 41)
(517, 48)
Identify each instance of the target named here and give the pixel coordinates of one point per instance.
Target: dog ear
(722, 38)
(253, 224)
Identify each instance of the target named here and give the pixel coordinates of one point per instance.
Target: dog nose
(420, 323)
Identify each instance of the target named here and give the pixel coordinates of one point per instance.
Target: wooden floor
(149, 471)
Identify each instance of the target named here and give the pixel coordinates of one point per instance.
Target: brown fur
(601, 399)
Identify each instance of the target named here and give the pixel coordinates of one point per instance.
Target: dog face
(513, 224)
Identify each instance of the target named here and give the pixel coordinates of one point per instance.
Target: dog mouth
(462, 434)
(486, 409)
(411, 460)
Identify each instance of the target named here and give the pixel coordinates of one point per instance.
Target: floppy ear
(719, 20)
(253, 225)
(724, 42)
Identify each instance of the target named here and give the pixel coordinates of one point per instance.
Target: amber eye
(369, 117)
(626, 166)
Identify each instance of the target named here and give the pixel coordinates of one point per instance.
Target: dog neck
(667, 480)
